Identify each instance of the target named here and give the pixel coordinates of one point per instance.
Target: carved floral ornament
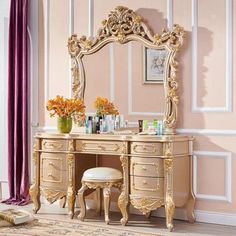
(124, 25)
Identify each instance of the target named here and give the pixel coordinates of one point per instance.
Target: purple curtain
(18, 169)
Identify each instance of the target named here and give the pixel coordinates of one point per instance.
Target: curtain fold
(18, 167)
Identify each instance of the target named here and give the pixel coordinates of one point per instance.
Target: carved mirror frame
(124, 25)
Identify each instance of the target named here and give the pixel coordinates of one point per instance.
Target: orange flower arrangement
(64, 107)
(105, 107)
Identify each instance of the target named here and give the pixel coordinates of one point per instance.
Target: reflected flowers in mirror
(104, 107)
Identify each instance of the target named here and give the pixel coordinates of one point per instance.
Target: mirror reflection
(117, 72)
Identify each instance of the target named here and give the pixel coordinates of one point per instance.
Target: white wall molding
(71, 31)
(4, 31)
(112, 72)
(47, 129)
(33, 78)
(229, 60)
(227, 156)
(46, 50)
(170, 14)
(214, 132)
(130, 91)
(216, 218)
(91, 18)
(229, 55)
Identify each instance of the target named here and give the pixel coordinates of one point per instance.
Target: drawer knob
(50, 175)
(144, 182)
(144, 168)
(101, 147)
(50, 163)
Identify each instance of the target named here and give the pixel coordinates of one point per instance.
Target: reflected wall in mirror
(140, 62)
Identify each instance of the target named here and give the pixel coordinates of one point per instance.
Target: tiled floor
(137, 222)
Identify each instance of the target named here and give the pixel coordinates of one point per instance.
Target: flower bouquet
(65, 109)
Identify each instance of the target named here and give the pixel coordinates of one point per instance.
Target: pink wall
(204, 99)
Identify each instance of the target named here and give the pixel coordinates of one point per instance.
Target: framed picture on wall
(154, 65)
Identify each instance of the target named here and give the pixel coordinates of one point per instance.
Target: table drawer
(144, 148)
(147, 186)
(152, 167)
(54, 145)
(99, 147)
(53, 162)
(52, 178)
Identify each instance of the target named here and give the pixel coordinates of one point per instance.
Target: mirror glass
(119, 72)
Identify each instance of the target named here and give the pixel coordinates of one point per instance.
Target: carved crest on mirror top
(124, 25)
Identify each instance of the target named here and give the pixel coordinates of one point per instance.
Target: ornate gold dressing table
(157, 170)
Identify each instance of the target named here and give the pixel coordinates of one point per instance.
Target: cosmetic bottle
(89, 125)
(140, 126)
(145, 125)
(117, 122)
(160, 127)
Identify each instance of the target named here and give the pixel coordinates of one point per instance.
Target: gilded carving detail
(124, 25)
(168, 163)
(169, 208)
(53, 195)
(120, 23)
(71, 145)
(124, 159)
(95, 185)
(123, 201)
(146, 204)
(52, 145)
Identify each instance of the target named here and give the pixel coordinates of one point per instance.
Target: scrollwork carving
(52, 195)
(124, 25)
(146, 204)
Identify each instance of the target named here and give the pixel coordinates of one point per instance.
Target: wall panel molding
(71, 31)
(46, 49)
(170, 14)
(210, 132)
(112, 71)
(91, 18)
(229, 60)
(227, 156)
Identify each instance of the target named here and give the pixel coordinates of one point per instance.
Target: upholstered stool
(97, 178)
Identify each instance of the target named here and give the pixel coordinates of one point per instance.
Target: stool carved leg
(82, 202)
(106, 196)
(98, 200)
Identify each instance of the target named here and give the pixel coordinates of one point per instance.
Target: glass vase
(64, 124)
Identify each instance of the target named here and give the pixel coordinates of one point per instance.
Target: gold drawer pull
(144, 168)
(144, 182)
(144, 148)
(52, 145)
(101, 147)
(50, 175)
(50, 163)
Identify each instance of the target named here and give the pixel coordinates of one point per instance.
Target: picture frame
(154, 65)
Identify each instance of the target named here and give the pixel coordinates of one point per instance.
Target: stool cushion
(102, 174)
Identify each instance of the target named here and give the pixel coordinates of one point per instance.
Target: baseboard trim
(216, 217)
(180, 214)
